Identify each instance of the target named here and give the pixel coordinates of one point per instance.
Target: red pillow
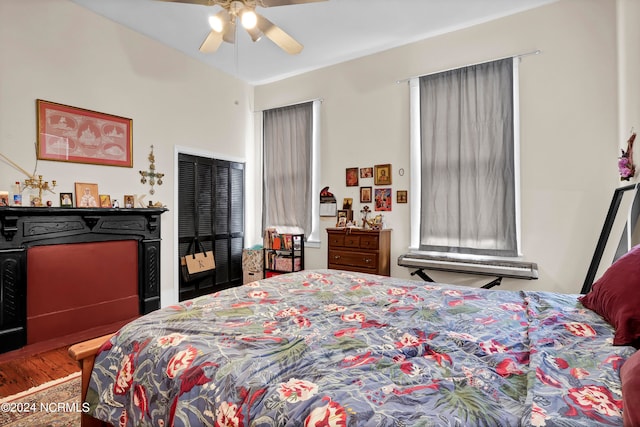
(616, 297)
(630, 376)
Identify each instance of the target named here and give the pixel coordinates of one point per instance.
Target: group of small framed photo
(88, 196)
(381, 197)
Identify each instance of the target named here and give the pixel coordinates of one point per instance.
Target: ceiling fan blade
(229, 34)
(202, 2)
(273, 3)
(211, 43)
(278, 36)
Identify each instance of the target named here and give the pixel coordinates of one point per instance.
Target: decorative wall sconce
(153, 176)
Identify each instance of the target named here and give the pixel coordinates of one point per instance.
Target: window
(290, 185)
(465, 160)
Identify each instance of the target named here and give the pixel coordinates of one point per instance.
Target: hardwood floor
(24, 372)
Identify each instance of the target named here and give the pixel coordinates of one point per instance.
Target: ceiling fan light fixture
(255, 34)
(216, 23)
(249, 19)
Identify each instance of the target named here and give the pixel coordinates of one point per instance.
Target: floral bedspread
(334, 348)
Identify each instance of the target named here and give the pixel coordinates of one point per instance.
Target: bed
(337, 348)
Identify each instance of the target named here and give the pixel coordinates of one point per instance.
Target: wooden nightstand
(366, 251)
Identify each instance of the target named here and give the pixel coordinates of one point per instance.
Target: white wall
(628, 66)
(58, 51)
(569, 127)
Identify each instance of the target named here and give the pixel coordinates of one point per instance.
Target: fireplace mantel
(24, 227)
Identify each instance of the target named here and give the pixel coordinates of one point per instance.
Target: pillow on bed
(630, 376)
(616, 297)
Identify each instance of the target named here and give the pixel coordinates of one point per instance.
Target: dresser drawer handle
(367, 260)
(336, 257)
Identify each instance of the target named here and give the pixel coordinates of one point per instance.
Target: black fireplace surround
(25, 227)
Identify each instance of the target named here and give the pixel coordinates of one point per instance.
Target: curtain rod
(290, 105)
(533, 52)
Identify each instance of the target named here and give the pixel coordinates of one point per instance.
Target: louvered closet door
(211, 206)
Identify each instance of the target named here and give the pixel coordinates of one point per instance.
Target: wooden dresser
(366, 251)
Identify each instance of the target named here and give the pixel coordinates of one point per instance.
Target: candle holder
(40, 185)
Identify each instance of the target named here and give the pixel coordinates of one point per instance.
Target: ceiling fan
(223, 23)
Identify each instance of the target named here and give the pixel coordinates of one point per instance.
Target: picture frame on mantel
(66, 200)
(87, 195)
(72, 134)
(105, 200)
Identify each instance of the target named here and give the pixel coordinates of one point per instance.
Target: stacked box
(252, 265)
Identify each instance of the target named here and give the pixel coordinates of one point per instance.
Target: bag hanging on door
(197, 263)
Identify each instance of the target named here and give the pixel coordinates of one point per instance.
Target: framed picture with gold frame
(87, 195)
(401, 196)
(382, 174)
(105, 201)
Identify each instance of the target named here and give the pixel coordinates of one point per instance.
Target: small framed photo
(347, 203)
(365, 194)
(105, 201)
(343, 218)
(66, 200)
(129, 201)
(383, 199)
(401, 196)
(4, 198)
(366, 172)
(87, 195)
(382, 174)
(352, 177)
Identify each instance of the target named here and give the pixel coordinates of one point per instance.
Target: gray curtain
(467, 149)
(287, 166)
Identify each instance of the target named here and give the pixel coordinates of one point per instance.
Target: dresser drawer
(369, 242)
(367, 260)
(336, 239)
(352, 241)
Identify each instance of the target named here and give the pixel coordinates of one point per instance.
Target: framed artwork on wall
(382, 174)
(352, 177)
(347, 203)
(87, 195)
(401, 196)
(365, 194)
(71, 134)
(366, 172)
(383, 199)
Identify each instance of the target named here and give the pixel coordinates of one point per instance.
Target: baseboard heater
(488, 267)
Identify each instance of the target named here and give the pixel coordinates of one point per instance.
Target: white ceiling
(331, 31)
